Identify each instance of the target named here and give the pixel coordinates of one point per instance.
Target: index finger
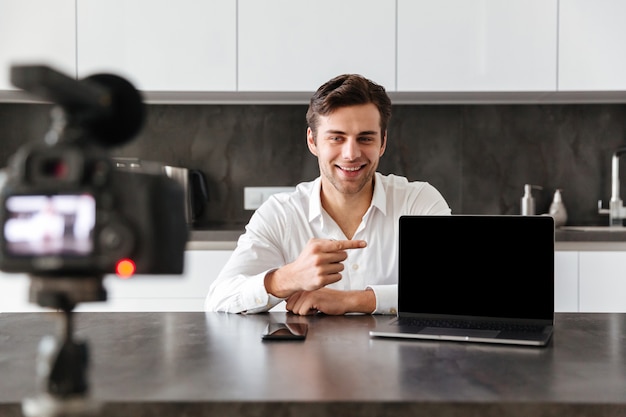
(347, 244)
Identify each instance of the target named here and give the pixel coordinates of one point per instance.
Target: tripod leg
(62, 374)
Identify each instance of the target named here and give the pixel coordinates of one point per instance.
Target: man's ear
(310, 141)
(383, 145)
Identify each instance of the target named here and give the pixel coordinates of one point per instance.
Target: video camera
(69, 217)
(65, 209)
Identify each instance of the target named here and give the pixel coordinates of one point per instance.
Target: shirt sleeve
(386, 298)
(429, 201)
(240, 285)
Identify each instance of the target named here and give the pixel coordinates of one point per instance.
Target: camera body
(67, 211)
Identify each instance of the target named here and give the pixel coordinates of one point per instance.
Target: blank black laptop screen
(488, 266)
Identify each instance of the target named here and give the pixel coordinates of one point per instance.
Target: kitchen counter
(214, 239)
(225, 238)
(216, 364)
(590, 240)
(218, 236)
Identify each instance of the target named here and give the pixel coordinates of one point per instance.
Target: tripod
(62, 361)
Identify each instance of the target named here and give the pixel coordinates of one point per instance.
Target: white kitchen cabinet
(296, 45)
(591, 281)
(479, 45)
(37, 32)
(566, 281)
(238, 46)
(14, 294)
(602, 278)
(184, 292)
(591, 45)
(160, 45)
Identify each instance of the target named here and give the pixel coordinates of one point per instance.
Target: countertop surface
(590, 239)
(214, 239)
(216, 364)
(225, 238)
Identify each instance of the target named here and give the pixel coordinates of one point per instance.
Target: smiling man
(331, 246)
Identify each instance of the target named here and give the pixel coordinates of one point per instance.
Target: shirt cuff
(386, 298)
(256, 298)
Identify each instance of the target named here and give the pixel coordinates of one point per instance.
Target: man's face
(348, 146)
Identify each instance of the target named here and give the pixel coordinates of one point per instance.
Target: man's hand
(318, 265)
(333, 302)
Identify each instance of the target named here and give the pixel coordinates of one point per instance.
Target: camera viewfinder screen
(39, 225)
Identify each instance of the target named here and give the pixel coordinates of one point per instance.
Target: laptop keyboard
(463, 324)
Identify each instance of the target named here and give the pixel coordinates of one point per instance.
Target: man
(331, 245)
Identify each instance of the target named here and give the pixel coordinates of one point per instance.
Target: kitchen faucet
(616, 210)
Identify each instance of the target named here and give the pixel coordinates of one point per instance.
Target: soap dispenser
(557, 209)
(528, 201)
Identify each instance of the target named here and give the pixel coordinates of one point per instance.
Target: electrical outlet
(253, 197)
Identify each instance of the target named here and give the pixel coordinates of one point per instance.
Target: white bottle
(528, 202)
(557, 209)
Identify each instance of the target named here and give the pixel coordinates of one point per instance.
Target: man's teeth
(351, 169)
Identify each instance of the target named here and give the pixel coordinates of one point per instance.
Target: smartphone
(285, 331)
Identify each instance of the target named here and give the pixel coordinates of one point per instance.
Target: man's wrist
(272, 284)
(365, 301)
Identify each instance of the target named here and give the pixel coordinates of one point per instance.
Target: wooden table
(216, 364)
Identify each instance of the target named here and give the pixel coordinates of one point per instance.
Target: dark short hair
(348, 90)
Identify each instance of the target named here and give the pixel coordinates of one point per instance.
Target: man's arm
(334, 302)
(239, 286)
(319, 264)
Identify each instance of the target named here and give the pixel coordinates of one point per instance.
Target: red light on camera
(125, 268)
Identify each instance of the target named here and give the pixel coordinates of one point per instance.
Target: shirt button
(393, 311)
(355, 266)
(257, 300)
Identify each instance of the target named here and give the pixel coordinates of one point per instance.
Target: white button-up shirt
(280, 228)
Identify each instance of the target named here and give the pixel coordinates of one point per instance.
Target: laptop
(475, 278)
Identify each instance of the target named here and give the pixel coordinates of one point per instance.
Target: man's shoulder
(282, 210)
(302, 190)
(398, 181)
(295, 199)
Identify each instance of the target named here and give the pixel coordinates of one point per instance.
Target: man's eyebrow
(341, 132)
(335, 132)
(368, 132)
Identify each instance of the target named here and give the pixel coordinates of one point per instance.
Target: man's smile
(350, 168)
(349, 172)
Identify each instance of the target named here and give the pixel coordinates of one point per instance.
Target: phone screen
(285, 331)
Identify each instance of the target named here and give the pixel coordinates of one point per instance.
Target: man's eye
(366, 139)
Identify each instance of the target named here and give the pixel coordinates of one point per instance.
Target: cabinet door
(160, 45)
(566, 281)
(591, 45)
(184, 292)
(296, 45)
(14, 294)
(603, 282)
(477, 45)
(37, 32)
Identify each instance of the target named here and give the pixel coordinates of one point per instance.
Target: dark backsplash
(478, 156)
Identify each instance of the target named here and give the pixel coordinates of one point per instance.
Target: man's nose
(351, 149)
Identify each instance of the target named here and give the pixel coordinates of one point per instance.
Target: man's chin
(350, 187)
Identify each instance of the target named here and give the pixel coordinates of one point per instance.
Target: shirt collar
(315, 202)
(379, 198)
